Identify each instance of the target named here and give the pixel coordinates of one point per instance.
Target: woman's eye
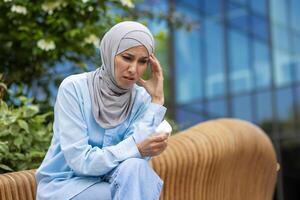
(144, 61)
(126, 57)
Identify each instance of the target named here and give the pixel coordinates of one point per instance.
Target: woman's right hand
(154, 85)
(153, 145)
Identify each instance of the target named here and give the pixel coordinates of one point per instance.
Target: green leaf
(31, 111)
(23, 125)
(5, 167)
(18, 141)
(10, 119)
(3, 147)
(3, 86)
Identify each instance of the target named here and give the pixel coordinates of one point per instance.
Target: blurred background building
(241, 59)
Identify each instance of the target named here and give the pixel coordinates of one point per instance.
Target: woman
(104, 125)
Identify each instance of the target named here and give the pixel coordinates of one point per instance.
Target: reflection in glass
(240, 75)
(296, 56)
(282, 67)
(242, 107)
(278, 11)
(238, 16)
(188, 65)
(239, 1)
(259, 27)
(195, 4)
(214, 77)
(295, 14)
(261, 62)
(280, 37)
(259, 6)
(213, 7)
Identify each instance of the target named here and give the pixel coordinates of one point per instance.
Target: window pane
(296, 56)
(295, 14)
(240, 75)
(214, 78)
(238, 16)
(242, 107)
(278, 11)
(259, 6)
(285, 111)
(283, 66)
(296, 43)
(213, 7)
(194, 3)
(264, 111)
(239, 1)
(188, 65)
(186, 118)
(259, 27)
(280, 37)
(216, 108)
(261, 62)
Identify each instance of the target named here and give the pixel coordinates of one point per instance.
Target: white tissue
(164, 128)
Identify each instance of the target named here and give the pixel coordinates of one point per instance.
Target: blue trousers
(132, 179)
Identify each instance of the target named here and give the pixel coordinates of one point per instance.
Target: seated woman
(104, 125)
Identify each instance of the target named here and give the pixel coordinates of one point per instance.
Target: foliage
(37, 35)
(24, 134)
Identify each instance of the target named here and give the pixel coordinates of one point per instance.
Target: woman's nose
(132, 68)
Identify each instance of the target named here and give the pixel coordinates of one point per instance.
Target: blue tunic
(82, 152)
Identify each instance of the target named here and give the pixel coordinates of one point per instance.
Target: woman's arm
(72, 129)
(146, 119)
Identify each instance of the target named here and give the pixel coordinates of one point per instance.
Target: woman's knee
(96, 191)
(133, 165)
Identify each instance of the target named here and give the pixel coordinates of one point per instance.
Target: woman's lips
(129, 78)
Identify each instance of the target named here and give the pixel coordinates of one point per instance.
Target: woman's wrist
(158, 100)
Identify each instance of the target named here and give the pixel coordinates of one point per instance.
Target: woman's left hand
(154, 85)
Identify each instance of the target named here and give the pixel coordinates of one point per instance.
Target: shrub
(25, 135)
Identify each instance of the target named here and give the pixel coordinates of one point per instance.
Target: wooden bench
(222, 159)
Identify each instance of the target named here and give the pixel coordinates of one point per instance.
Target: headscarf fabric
(111, 104)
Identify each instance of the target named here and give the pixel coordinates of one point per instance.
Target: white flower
(127, 3)
(19, 9)
(49, 7)
(90, 8)
(84, 1)
(46, 44)
(7, 0)
(92, 39)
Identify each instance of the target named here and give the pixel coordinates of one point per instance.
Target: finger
(160, 149)
(142, 81)
(155, 64)
(159, 138)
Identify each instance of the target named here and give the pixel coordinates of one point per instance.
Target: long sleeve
(147, 118)
(79, 154)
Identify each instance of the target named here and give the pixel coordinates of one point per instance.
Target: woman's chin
(127, 85)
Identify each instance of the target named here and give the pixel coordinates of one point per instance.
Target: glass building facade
(241, 59)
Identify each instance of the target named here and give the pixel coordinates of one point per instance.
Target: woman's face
(130, 65)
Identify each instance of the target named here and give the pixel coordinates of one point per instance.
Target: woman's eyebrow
(134, 56)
